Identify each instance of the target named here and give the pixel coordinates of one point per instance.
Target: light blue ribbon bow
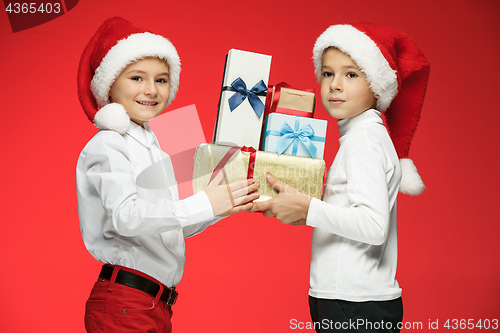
(289, 136)
(241, 92)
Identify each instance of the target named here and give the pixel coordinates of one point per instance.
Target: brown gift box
(302, 173)
(283, 98)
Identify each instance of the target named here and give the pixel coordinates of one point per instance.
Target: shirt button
(124, 311)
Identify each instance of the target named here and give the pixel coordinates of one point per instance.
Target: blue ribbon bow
(241, 92)
(289, 136)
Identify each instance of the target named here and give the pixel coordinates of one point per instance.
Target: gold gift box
(302, 173)
(295, 99)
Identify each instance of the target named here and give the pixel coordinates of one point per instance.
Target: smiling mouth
(147, 103)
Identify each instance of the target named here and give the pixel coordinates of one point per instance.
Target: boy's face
(143, 89)
(345, 92)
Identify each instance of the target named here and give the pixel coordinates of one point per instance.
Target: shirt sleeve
(194, 229)
(366, 219)
(110, 171)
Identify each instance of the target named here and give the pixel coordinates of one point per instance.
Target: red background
(249, 273)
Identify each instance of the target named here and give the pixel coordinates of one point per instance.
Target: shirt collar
(143, 135)
(349, 125)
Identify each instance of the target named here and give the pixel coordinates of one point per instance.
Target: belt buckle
(172, 296)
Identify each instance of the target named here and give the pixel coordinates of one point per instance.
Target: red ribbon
(251, 161)
(229, 154)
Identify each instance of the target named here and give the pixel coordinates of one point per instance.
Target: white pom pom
(112, 117)
(411, 183)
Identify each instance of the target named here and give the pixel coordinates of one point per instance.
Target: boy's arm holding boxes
(106, 173)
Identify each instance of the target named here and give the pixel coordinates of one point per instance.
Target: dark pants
(330, 315)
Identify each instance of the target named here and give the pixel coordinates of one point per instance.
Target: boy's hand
(231, 198)
(299, 222)
(289, 206)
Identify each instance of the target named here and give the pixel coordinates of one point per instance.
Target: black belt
(135, 281)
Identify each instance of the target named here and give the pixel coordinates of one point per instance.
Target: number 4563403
(32, 8)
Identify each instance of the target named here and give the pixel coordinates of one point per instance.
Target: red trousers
(113, 307)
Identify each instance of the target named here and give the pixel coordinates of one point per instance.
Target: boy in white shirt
(130, 214)
(363, 69)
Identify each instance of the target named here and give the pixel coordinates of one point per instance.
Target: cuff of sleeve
(312, 211)
(199, 209)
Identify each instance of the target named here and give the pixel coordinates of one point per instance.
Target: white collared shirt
(129, 208)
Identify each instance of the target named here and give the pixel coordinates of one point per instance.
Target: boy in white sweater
(130, 214)
(363, 69)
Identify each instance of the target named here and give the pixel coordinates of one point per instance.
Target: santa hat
(396, 71)
(116, 44)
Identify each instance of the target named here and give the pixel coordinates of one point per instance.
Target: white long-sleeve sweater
(354, 240)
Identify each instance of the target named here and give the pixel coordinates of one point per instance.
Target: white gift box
(294, 135)
(242, 125)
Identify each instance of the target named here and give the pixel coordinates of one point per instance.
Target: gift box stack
(253, 115)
